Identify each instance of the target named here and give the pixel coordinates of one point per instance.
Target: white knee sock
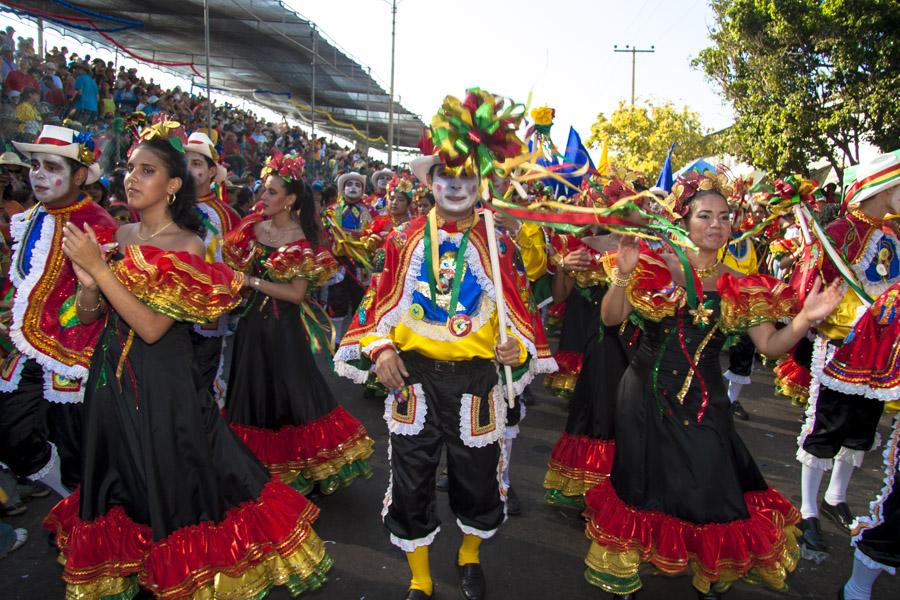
(859, 586)
(840, 480)
(53, 480)
(507, 443)
(810, 479)
(734, 391)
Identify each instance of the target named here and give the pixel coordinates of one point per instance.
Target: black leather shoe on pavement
(471, 582)
(738, 411)
(416, 595)
(812, 543)
(710, 595)
(631, 596)
(839, 514)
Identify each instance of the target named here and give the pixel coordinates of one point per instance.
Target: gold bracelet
(618, 281)
(79, 305)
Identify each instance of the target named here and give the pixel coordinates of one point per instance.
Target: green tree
(808, 79)
(639, 136)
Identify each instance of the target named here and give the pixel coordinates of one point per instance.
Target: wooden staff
(500, 300)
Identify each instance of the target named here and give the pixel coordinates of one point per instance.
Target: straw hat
(201, 144)
(870, 178)
(60, 141)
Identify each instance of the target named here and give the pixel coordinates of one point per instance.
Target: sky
(559, 51)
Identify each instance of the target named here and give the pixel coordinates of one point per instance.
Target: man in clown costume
(430, 331)
(52, 348)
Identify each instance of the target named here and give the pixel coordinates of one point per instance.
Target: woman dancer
(684, 492)
(278, 402)
(170, 500)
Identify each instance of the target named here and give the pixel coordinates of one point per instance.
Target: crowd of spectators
(95, 96)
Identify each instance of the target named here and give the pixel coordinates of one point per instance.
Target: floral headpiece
(287, 166)
(792, 190)
(164, 129)
(690, 184)
(401, 185)
(477, 134)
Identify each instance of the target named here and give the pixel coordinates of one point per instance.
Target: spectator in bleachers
(87, 94)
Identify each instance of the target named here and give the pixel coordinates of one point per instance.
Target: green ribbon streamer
(458, 270)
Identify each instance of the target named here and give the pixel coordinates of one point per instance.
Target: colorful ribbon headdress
(287, 166)
(477, 134)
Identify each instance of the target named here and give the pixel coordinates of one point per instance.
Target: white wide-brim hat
(381, 172)
(93, 175)
(54, 140)
(341, 180)
(421, 166)
(881, 173)
(200, 143)
(11, 159)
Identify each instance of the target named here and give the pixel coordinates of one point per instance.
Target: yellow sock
(468, 550)
(421, 570)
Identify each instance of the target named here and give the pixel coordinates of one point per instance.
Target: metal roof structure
(259, 50)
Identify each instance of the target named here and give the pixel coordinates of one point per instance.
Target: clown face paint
(455, 196)
(51, 179)
(353, 191)
(381, 183)
(201, 172)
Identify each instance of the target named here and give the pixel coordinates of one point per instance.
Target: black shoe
(443, 482)
(738, 411)
(841, 593)
(513, 506)
(471, 582)
(712, 594)
(416, 595)
(839, 514)
(812, 544)
(31, 489)
(12, 510)
(527, 397)
(630, 596)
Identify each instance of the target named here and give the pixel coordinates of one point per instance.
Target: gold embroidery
(477, 428)
(682, 393)
(411, 403)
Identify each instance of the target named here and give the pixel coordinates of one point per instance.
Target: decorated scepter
(500, 300)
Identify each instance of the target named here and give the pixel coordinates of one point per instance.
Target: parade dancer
(345, 222)
(868, 367)
(170, 501)
(52, 346)
(278, 402)
(218, 219)
(431, 330)
(379, 200)
(684, 493)
(841, 427)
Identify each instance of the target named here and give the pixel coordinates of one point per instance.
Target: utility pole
(208, 86)
(634, 50)
(391, 100)
(312, 112)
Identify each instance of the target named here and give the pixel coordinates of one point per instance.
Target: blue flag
(576, 155)
(665, 179)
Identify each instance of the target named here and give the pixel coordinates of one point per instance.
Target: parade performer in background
(740, 256)
(278, 402)
(431, 330)
(379, 200)
(841, 427)
(344, 222)
(218, 219)
(52, 346)
(684, 493)
(170, 501)
(583, 455)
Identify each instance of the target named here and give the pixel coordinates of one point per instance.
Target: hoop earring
(171, 199)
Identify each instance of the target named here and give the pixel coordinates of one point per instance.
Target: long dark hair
(184, 209)
(306, 207)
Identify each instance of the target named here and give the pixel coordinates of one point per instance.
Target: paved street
(538, 555)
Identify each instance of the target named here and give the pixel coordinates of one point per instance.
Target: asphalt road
(535, 556)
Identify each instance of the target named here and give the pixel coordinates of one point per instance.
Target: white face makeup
(353, 190)
(51, 178)
(381, 183)
(455, 196)
(201, 172)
